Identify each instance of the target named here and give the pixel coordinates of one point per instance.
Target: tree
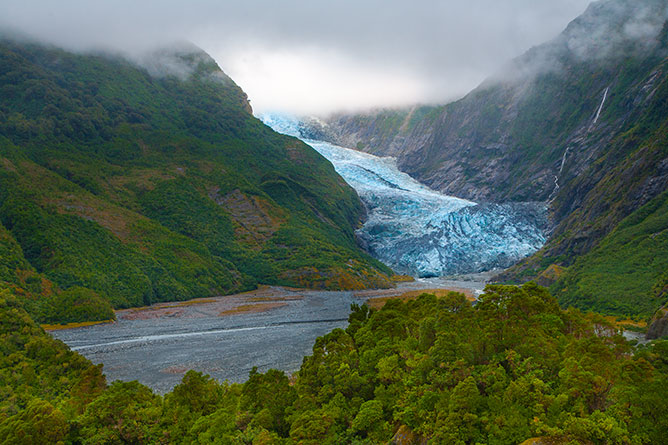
(126, 412)
(38, 423)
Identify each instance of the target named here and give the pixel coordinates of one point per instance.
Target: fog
(315, 57)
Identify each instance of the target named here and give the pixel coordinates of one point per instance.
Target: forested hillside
(510, 368)
(580, 122)
(134, 182)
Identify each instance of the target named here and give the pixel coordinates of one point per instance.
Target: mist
(606, 32)
(315, 57)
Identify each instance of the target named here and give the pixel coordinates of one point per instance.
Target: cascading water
(418, 231)
(600, 107)
(553, 195)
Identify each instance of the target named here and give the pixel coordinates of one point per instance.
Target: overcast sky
(311, 56)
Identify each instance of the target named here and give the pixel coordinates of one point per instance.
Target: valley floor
(272, 327)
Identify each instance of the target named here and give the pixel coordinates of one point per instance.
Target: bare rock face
(578, 122)
(405, 436)
(658, 326)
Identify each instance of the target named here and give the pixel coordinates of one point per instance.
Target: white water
(600, 107)
(563, 158)
(418, 231)
(558, 175)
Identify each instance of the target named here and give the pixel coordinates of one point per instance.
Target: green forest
(124, 187)
(510, 368)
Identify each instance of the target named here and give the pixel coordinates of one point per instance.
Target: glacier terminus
(421, 232)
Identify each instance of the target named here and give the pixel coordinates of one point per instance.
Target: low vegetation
(625, 274)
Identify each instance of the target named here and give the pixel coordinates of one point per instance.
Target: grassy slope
(146, 188)
(624, 272)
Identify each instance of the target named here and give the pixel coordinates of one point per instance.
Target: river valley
(413, 229)
(227, 336)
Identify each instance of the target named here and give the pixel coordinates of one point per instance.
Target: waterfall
(556, 177)
(563, 158)
(600, 107)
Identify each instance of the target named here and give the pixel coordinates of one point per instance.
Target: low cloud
(316, 56)
(611, 28)
(607, 31)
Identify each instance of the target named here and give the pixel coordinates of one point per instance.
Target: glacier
(418, 231)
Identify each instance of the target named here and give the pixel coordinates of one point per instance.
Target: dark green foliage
(74, 252)
(11, 257)
(36, 370)
(267, 397)
(40, 422)
(151, 187)
(76, 304)
(623, 274)
(512, 367)
(125, 413)
(197, 396)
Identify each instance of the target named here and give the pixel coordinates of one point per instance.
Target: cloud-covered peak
(607, 31)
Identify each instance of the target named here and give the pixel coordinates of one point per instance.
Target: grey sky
(315, 56)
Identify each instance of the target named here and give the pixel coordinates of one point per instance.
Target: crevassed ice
(418, 231)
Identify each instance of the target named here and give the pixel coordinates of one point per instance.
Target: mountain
(131, 182)
(579, 122)
(419, 232)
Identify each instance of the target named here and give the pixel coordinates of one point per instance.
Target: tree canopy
(512, 367)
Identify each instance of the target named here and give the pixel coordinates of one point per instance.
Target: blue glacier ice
(418, 231)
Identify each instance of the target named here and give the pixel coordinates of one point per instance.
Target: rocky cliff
(579, 122)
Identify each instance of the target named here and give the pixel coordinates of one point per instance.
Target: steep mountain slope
(155, 182)
(580, 121)
(530, 111)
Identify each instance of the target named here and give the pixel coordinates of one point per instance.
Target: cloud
(315, 56)
(607, 31)
(615, 27)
